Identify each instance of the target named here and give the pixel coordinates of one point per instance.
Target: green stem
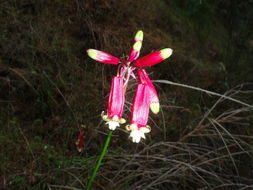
(94, 173)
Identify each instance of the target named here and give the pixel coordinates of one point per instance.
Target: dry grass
(215, 154)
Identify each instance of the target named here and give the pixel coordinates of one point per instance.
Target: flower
(102, 57)
(115, 104)
(135, 51)
(153, 97)
(153, 58)
(146, 96)
(140, 112)
(80, 141)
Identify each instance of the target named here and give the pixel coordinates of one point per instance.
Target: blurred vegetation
(49, 88)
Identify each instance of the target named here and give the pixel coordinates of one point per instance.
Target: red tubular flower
(153, 97)
(102, 57)
(80, 141)
(116, 98)
(153, 58)
(115, 104)
(135, 51)
(140, 113)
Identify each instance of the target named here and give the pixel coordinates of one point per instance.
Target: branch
(202, 90)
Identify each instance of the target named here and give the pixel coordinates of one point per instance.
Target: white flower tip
(112, 125)
(165, 53)
(136, 135)
(92, 53)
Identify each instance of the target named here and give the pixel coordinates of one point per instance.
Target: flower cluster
(145, 96)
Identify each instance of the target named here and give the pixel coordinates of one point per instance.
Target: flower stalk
(101, 156)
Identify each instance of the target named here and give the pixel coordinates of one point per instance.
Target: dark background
(50, 90)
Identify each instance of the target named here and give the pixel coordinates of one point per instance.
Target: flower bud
(102, 57)
(138, 36)
(153, 58)
(135, 51)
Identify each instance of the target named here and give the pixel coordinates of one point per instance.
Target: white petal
(112, 125)
(137, 135)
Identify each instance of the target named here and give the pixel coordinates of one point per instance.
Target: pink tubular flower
(135, 51)
(140, 113)
(153, 97)
(102, 57)
(153, 58)
(115, 104)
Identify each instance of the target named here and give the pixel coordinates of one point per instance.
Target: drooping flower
(115, 104)
(153, 58)
(140, 113)
(153, 97)
(102, 57)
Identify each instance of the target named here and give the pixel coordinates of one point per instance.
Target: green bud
(92, 53)
(138, 36)
(137, 45)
